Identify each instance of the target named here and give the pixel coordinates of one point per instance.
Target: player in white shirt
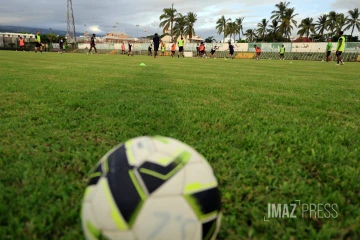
(213, 50)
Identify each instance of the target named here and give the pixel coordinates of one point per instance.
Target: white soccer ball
(152, 188)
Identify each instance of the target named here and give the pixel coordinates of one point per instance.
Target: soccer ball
(152, 188)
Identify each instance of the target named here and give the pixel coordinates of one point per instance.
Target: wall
(239, 47)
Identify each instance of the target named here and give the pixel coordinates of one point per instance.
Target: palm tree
(231, 29)
(340, 23)
(274, 29)
(331, 22)
(239, 22)
(250, 35)
(353, 20)
(167, 20)
(52, 37)
(306, 26)
(189, 24)
(321, 25)
(180, 23)
(287, 22)
(280, 12)
(262, 30)
(210, 39)
(221, 25)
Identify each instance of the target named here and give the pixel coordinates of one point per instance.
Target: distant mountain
(18, 29)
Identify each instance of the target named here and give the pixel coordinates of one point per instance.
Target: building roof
(17, 34)
(118, 33)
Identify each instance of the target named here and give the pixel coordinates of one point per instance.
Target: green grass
(274, 132)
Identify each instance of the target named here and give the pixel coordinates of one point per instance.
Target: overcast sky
(100, 16)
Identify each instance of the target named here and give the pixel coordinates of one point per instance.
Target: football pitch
(273, 131)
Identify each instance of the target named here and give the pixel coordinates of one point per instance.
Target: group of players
(200, 49)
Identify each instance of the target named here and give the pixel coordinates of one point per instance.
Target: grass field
(274, 132)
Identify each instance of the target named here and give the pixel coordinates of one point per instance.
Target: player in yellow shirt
(340, 48)
(38, 42)
(181, 47)
(329, 47)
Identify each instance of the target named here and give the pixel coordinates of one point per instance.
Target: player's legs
(156, 49)
(95, 49)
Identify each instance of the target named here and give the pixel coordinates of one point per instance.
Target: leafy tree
(306, 27)
(239, 26)
(274, 30)
(332, 22)
(288, 22)
(179, 26)
(221, 25)
(250, 35)
(321, 25)
(210, 39)
(231, 29)
(280, 12)
(262, 28)
(353, 20)
(167, 20)
(340, 23)
(189, 26)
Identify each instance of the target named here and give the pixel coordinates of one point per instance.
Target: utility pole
(137, 30)
(70, 20)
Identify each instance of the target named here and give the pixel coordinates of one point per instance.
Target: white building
(16, 35)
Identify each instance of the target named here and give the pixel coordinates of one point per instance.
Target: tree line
(282, 21)
(276, 29)
(176, 24)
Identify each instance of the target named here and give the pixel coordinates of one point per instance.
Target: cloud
(95, 29)
(345, 4)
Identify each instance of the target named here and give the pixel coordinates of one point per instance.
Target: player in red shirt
(258, 52)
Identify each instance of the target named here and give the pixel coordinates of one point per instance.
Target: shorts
(92, 45)
(338, 53)
(231, 52)
(181, 49)
(202, 52)
(162, 50)
(61, 47)
(38, 44)
(258, 53)
(173, 52)
(328, 53)
(197, 49)
(212, 52)
(156, 47)
(129, 49)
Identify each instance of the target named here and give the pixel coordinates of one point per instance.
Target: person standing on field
(282, 52)
(123, 49)
(92, 43)
(130, 46)
(61, 45)
(156, 41)
(258, 52)
(181, 47)
(38, 42)
(173, 49)
(150, 50)
(22, 44)
(340, 48)
(329, 47)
